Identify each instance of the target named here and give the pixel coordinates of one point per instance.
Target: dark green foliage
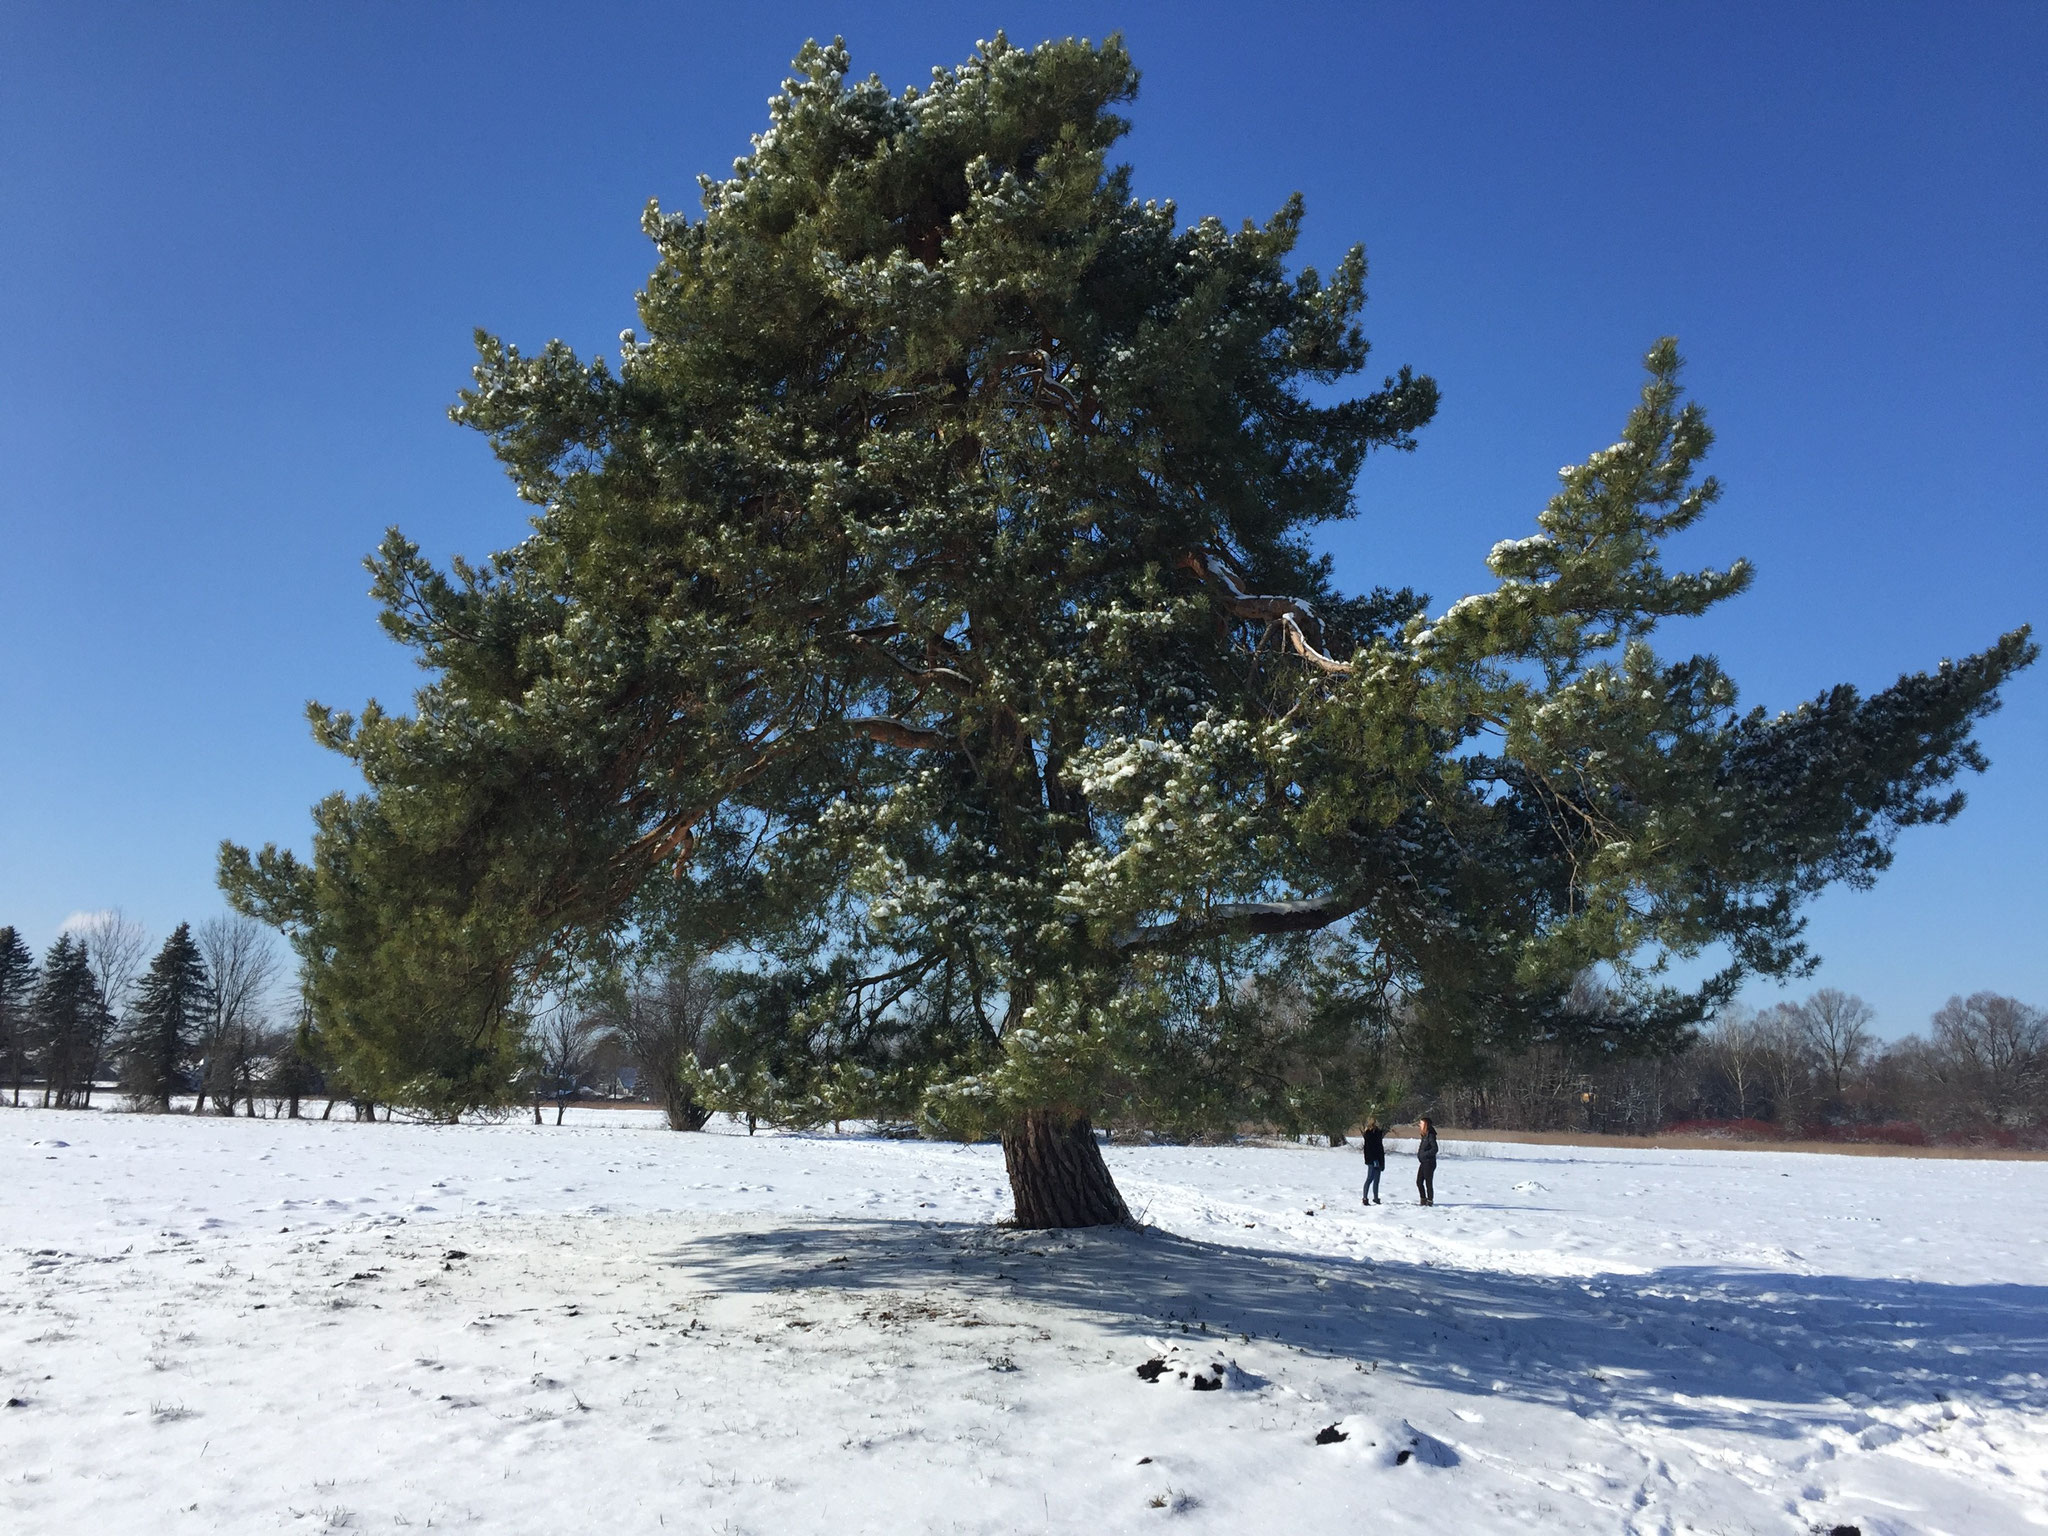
(409, 939)
(170, 1006)
(922, 615)
(17, 1017)
(70, 1019)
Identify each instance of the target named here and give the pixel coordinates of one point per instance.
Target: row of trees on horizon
(216, 1018)
(1812, 1068)
(205, 1016)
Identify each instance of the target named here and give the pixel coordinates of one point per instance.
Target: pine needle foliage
(170, 1006)
(923, 614)
(70, 1018)
(17, 1018)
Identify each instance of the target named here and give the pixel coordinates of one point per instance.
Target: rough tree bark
(684, 1113)
(1057, 1174)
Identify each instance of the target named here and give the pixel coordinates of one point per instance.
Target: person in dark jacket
(1375, 1141)
(1425, 1161)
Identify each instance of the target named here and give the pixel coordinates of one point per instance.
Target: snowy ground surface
(227, 1326)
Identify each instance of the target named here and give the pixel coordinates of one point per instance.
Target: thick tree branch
(954, 682)
(1240, 919)
(675, 835)
(918, 966)
(898, 733)
(1300, 628)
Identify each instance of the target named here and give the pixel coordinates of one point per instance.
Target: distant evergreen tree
(170, 1007)
(69, 1013)
(17, 992)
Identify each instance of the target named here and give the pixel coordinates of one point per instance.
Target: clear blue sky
(242, 249)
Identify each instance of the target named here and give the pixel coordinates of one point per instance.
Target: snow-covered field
(226, 1326)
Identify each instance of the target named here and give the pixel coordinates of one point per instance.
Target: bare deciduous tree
(1786, 1056)
(116, 950)
(242, 963)
(1998, 1049)
(1736, 1047)
(1837, 1026)
(662, 1019)
(563, 1038)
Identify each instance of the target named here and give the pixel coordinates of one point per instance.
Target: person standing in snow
(1375, 1141)
(1425, 1161)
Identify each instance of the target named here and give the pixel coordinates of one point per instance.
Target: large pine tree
(70, 1021)
(170, 1007)
(924, 611)
(17, 1019)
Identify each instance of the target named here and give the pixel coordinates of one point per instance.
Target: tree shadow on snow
(1685, 1347)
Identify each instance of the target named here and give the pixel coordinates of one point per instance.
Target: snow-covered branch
(1300, 628)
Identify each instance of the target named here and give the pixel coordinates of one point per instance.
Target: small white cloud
(78, 922)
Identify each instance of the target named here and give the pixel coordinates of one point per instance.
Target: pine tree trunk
(1057, 1175)
(685, 1113)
